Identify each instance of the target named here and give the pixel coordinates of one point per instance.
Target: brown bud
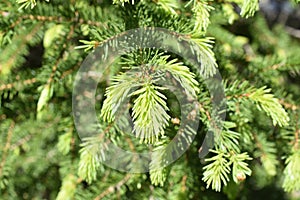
(240, 176)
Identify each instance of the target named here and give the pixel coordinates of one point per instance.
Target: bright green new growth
(291, 172)
(249, 8)
(41, 155)
(149, 113)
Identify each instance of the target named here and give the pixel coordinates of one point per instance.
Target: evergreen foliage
(42, 45)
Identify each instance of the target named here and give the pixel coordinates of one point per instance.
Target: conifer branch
(147, 84)
(291, 180)
(11, 57)
(267, 154)
(169, 5)
(249, 7)
(217, 171)
(7, 146)
(201, 10)
(263, 100)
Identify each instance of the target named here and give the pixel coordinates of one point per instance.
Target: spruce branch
(122, 2)
(91, 154)
(68, 188)
(264, 100)
(266, 151)
(216, 173)
(291, 172)
(249, 7)
(26, 3)
(206, 56)
(93, 150)
(201, 10)
(158, 173)
(273, 63)
(87, 45)
(47, 89)
(240, 168)
(12, 53)
(180, 72)
(228, 140)
(226, 144)
(64, 142)
(45, 96)
(24, 140)
(115, 94)
(149, 113)
(268, 103)
(169, 5)
(149, 124)
(228, 9)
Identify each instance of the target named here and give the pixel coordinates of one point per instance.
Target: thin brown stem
(112, 189)
(7, 146)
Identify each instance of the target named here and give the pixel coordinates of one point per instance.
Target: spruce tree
(147, 99)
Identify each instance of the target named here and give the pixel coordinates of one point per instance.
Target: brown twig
(53, 19)
(111, 189)
(183, 183)
(6, 147)
(201, 108)
(70, 71)
(278, 66)
(24, 82)
(238, 96)
(282, 102)
(259, 145)
(21, 141)
(288, 105)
